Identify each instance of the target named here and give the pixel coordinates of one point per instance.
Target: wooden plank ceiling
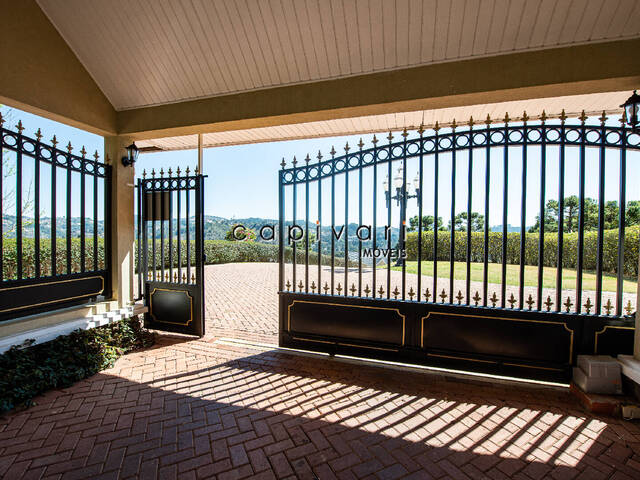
(152, 52)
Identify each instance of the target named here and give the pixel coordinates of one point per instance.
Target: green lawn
(513, 275)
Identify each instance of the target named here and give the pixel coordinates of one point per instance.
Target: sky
(242, 181)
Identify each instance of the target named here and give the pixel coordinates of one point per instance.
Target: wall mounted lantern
(132, 155)
(631, 107)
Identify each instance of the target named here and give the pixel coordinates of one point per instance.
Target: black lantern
(631, 107)
(132, 155)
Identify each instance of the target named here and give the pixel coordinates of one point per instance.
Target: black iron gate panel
(170, 251)
(55, 210)
(522, 299)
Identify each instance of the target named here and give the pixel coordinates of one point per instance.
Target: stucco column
(123, 225)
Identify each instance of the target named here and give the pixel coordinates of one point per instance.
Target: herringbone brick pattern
(196, 409)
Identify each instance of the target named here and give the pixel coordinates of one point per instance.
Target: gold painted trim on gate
(171, 290)
(619, 327)
(59, 300)
(533, 366)
(397, 310)
(460, 358)
(497, 318)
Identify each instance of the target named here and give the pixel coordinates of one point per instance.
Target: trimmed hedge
(610, 250)
(29, 370)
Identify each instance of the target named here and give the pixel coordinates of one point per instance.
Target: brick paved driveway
(196, 409)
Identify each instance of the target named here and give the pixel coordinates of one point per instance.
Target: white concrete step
(46, 327)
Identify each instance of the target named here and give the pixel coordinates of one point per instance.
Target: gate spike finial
(477, 298)
(459, 297)
(421, 129)
(313, 287)
(153, 173)
(608, 307)
(197, 170)
(471, 122)
(381, 291)
(543, 117)
(333, 151)
(69, 147)
(20, 127)
(54, 141)
(568, 304)
(374, 140)
(1, 120)
(404, 133)
(288, 285)
(454, 125)
(443, 295)
(506, 118)
(583, 117)
(161, 172)
(300, 286)
(144, 173)
(326, 287)
(295, 161)
(525, 117)
(530, 301)
(307, 159)
(175, 277)
(488, 120)
(169, 172)
(339, 288)
(283, 163)
(623, 118)
(390, 137)
(548, 303)
(347, 148)
(628, 308)
(319, 157)
(427, 295)
(367, 290)
(360, 144)
(603, 118)
(512, 300)
(83, 152)
(39, 135)
(353, 289)
(178, 171)
(96, 155)
(396, 292)
(411, 293)
(493, 299)
(588, 305)
(187, 171)
(563, 116)
(436, 127)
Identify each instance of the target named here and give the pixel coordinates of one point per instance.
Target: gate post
(122, 226)
(636, 339)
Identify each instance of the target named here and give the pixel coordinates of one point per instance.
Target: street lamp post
(401, 197)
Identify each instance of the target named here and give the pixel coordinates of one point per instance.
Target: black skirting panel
(174, 307)
(27, 297)
(508, 342)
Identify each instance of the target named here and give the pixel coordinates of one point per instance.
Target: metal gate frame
(534, 338)
(173, 293)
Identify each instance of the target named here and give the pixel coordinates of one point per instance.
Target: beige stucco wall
(39, 73)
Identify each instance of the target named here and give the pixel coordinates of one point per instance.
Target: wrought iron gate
(170, 251)
(348, 304)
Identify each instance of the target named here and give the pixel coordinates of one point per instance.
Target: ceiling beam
(40, 74)
(591, 68)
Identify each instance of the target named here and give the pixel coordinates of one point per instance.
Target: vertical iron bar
(543, 190)
(389, 230)
(144, 240)
(108, 222)
(581, 216)
(19, 206)
(469, 223)
(306, 227)
(560, 254)
(375, 214)
(523, 215)
(170, 233)
(419, 199)
(179, 230)
(621, 219)
(188, 233)
(487, 191)
(82, 216)
(162, 207)
(319, 223)
(505, 193)
(153, 229)
(360, 220)
(1, 196)
(69, 213)
(295, 215)
(95, 218)
(281, 230)
(54, 163)
(452, 246)
(600, 252)
(435, 213)
(36, 208)
(139, 232)
(346, 222)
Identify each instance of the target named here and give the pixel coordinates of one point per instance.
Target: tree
(427, 224)
(237, 234)
(461, 223)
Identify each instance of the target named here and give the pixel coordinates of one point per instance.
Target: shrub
(29, 370)
(569, 256)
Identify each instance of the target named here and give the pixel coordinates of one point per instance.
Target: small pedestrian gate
(170, 251)
(337, 226)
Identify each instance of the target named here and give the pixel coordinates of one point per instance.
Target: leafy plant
(28, 370)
